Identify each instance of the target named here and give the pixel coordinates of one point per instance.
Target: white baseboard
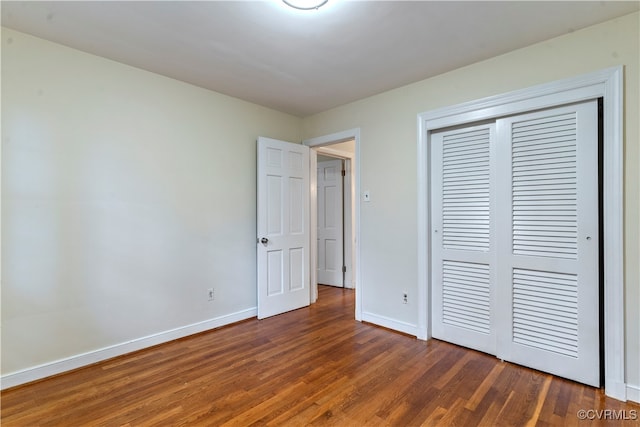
(615, 389)
(387, 322)
(633, 393)
(74, 362)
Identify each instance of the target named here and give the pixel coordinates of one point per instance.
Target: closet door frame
(605, 84)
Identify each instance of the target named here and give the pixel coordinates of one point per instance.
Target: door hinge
(344, 173)
(344, 268)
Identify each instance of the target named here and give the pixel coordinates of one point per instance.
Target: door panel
(462, 266)
(283, 226)
(551, 261)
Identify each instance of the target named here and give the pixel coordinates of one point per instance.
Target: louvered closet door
(462, 229)
(548, 258)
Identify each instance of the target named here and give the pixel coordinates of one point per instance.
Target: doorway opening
(344, 147)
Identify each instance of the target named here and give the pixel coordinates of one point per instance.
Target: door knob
(264, 240)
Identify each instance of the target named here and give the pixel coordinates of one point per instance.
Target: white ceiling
(303, 62)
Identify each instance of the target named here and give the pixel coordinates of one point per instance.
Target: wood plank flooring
(313, 366)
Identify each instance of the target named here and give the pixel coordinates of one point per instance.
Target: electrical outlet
(211, 294)
(405, 298)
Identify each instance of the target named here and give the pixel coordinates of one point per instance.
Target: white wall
(389, 159)
(125, 196)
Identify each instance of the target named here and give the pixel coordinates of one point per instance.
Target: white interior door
(515, 251)
(282, 226)
(330, 223)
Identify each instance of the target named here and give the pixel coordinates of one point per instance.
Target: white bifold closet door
(515, 239)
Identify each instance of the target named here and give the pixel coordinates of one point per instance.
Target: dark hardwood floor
(313, 366)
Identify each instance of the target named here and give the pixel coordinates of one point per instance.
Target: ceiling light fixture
(305, 4)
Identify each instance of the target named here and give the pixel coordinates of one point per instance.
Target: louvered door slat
(562, 148)
(530, 326)
(546, 175)
(535, 166)
(462, 307)
(465, 161)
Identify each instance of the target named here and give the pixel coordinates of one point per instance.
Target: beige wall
(125, 196)
(389, 151)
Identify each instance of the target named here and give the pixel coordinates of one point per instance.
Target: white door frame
(606, 84)
(319, 144)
